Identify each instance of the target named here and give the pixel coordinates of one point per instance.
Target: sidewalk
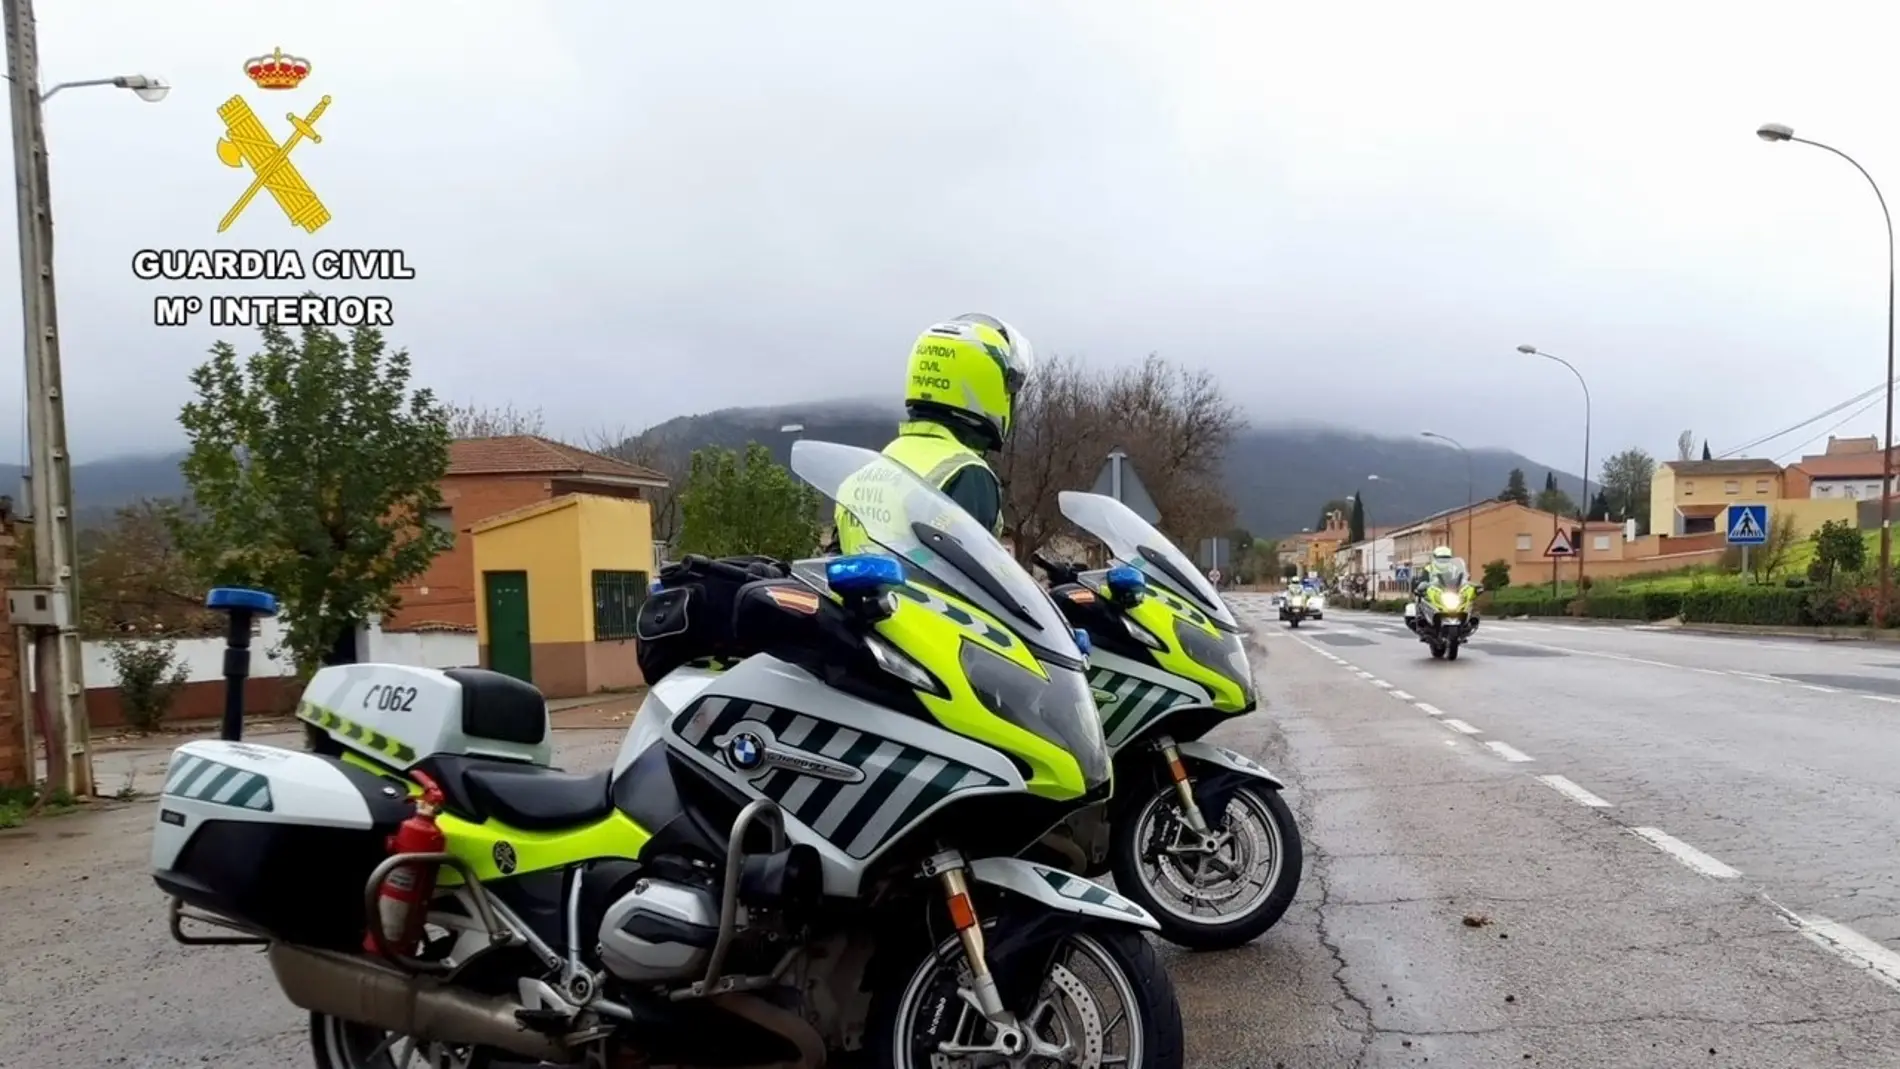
(136, 763)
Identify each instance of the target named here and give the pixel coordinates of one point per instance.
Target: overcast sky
(624, 211)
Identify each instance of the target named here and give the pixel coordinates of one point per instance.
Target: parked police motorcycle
(806, 845)
(1196, 833)
(1443, 611)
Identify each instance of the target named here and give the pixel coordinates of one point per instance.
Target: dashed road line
(1508, 752)
(1460, 726)
(1401, 695)
(1381, 684)
(1685, 853)
(1845, 943)
(1573, 792)
(1430, 709)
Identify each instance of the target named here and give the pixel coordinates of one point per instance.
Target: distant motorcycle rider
(1442, 568)
(965, 374)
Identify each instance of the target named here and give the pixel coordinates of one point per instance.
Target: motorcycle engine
(659, 931)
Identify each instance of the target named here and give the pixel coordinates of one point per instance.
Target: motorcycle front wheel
(1214, 894)
(1105, 1000)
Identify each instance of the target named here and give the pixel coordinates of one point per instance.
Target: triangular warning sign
(1745, 529)
(1559, 545)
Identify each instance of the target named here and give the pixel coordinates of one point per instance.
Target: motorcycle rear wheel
(340, 1044)
(1101, 959)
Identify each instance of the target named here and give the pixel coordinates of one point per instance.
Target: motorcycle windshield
(932, 534)
(1134, 541)
(1451, 576)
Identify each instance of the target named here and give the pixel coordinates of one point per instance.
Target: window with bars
(617, 600)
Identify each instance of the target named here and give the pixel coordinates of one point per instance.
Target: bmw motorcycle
(807, 845)
(1301, 604)
(1197, 834)
(1443, 613)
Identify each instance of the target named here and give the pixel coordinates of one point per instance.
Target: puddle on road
(1340, 640)
(1513, 651)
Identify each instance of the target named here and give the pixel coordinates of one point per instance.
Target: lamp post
(56, 646)
(1471, 499)
(1772, 132)
(1583, 510)
(1359, 562)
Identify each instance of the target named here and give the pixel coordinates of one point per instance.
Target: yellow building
(1687, 497)
(561, 582)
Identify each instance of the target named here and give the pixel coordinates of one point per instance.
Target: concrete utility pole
(56, 649)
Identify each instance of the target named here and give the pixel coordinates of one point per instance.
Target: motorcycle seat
(533, 798)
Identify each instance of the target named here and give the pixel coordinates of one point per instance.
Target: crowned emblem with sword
(248, 143)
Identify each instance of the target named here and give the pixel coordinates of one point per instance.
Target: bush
(150, 676)
(1772, 606)
(1497, 574)
(1391, 605)
(1843, 608)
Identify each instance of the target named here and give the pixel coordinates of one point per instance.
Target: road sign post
(1747, 526)
(1561, 546)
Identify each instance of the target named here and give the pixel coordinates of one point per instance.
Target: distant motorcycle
(1442, 612)
(1301, 604)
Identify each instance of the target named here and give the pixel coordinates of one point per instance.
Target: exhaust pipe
(358, 989)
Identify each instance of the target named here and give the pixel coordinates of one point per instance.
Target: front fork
(951, 873)
(1190, 809)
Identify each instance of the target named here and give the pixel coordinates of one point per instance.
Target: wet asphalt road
(1458, 909)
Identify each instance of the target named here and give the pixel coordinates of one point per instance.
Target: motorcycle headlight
(1451, 602)
(1059, 709)
(1224, 655)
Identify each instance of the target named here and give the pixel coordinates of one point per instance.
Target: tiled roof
(529, 454)
(1738, 466)
(1843, 466)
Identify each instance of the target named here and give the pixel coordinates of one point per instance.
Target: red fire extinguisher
(402, 902)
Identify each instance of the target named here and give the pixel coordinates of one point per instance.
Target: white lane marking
(1847, 944)
(1509, 752)
(1460, 727)
(1760, 678)
(1382, 684)
(1573, 792)
(1453, 743)
(1883, 698)
(1401, 695)
(1685, 853)
(1820, 690)
(1430, 708)
(1363, 674)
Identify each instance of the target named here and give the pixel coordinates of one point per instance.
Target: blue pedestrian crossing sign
(1747, 525)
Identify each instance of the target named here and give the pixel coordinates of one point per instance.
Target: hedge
(1760, 605)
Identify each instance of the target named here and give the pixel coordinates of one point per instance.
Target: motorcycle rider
(965, 374)
(1441, 568)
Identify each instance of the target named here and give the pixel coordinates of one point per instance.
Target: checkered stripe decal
(399, 752)
(208, 781)
(1135, 702)
(901, 783)
(1087, 891)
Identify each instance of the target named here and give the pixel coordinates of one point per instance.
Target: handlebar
(240, 606)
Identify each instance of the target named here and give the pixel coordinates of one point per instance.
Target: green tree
(1705, 450)
(1553, 500)
(313, 469)
(1626, 479)
(1357, 525)
(738, 504)
(1288, 571)
(1497, 574)
(1515, 488)
(1599, 506)
(1838, 550)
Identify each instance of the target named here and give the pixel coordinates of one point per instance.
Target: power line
(1845, 420)
(1810, 421)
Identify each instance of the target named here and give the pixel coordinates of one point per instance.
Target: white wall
(1858, 489)
(204, 657)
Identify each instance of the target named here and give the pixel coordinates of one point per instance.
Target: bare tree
(638, 449)
(1174, 423)
(477, 421)
(1685, 445)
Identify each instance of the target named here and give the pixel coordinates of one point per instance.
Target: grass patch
(19, 803)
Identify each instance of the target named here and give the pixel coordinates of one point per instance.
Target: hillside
(1279, 476)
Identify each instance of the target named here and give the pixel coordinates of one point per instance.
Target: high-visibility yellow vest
(927, 449)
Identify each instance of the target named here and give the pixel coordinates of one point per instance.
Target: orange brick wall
(16, 765)
(450, 580)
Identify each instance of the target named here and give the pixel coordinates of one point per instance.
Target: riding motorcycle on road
(807, 844)
(1301, 604)
(1442, 613)
(1196, 833)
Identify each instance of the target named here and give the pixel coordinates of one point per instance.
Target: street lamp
(1471, 498)
(149, 88)
(1583, 510)
(1775, 131)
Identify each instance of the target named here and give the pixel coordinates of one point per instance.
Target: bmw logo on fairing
(746, 750)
